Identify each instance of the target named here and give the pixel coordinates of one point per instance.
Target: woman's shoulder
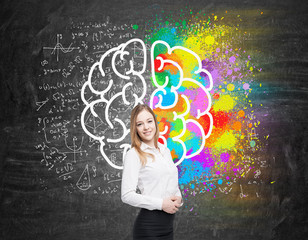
(163, 147)
(131, 153)
(131, 156)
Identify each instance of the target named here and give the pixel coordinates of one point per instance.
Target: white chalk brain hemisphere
(180, 100)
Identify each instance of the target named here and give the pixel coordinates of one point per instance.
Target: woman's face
(146, 128)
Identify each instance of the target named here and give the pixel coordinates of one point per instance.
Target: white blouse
(156, 180)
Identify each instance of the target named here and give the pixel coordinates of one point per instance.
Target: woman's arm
(177, 196)
(130, 175)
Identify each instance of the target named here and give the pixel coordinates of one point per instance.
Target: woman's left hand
(177, 199)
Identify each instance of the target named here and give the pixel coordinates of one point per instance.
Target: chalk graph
(56, 49)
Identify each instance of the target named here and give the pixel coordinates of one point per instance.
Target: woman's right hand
(170, 206)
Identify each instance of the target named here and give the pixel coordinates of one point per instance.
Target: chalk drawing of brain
(181, 99)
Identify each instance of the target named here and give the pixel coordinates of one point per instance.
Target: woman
(148, 165)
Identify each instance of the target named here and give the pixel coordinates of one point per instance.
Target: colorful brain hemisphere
(181, 100)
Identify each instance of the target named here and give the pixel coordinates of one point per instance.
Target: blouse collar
(146, 146)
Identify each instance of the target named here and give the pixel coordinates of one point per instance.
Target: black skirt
(153, 224)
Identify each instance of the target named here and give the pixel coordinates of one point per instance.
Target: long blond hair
(135, 138)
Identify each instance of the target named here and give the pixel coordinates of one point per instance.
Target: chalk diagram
(84, 182)
(56, 49)
(41, 104)
(74, 149)
(108, 94)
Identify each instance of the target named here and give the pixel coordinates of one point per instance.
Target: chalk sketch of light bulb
(122, 52)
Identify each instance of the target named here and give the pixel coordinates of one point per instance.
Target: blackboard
(55, 181)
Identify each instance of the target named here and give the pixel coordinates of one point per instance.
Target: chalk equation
(72, 156)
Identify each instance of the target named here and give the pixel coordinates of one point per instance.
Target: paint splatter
(233, 138)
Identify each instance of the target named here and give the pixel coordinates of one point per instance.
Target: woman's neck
(150, 143)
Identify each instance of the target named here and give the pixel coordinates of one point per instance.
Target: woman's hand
(177, 199)
(170, 206)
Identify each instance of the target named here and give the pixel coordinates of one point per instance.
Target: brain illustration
(181, 99)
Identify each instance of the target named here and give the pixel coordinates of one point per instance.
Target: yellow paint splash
(225, 103)
(230, 87)
(226, 141)
(188, 62)
(209, 40)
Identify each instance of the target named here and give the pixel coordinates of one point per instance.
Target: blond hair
(135, 138)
